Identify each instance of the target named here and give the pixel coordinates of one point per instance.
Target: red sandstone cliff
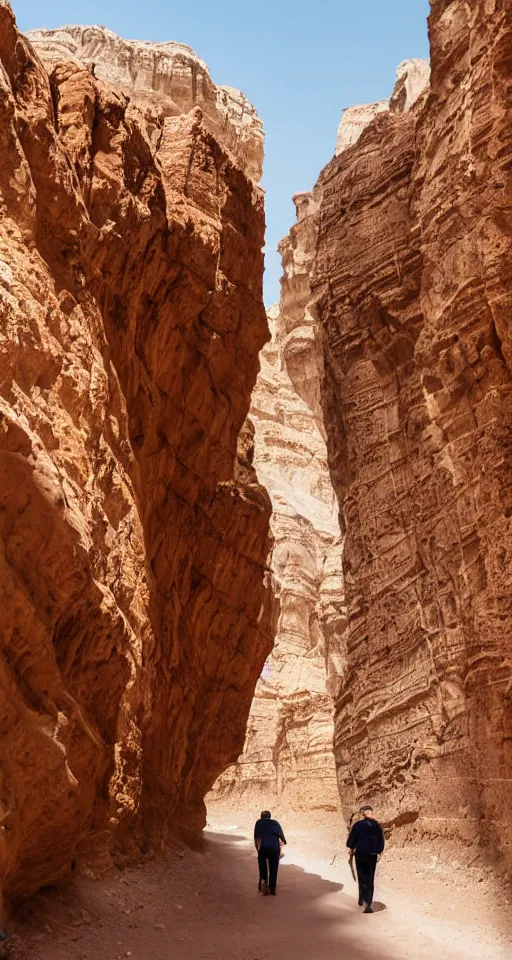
(135, 619)
(412, 288)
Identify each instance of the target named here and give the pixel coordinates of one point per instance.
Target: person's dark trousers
(266, 874)
(366, 864)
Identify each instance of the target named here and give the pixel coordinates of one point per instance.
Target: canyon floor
(203, 905)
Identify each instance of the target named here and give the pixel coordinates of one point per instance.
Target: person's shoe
(272, 893)
(264, 888)
(360, 901)
(368, 909)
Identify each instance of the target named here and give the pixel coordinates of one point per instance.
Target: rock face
(133, 544)
(412, 288)
(412, 78)
(167, 79)
(288, 754)
(354, 120)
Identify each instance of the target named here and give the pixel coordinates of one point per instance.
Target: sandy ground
(204, 905)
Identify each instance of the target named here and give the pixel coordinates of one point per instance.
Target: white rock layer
(412, 78)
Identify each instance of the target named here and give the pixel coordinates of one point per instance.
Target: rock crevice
(288, 754)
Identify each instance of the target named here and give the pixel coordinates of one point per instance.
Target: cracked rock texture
(135, 617)
(412, 288)
(288, 754)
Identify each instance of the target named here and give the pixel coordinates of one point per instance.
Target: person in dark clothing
(268, 837)
(366, 843)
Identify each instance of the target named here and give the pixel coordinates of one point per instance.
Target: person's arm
(382, 842)
(278, 832)
(352, 841)
(257, 839)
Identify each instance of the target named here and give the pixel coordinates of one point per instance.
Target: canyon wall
(166, 79)
(412, 289)
(288, 756)
(135, 611)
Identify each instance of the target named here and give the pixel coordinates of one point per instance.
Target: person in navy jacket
(268, 837)
(366, 843)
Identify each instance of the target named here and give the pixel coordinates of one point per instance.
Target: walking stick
(351, 864)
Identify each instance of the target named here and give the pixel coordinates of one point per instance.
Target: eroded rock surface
(412, 288)
(167, 78)
(133, 545)
(288, 754)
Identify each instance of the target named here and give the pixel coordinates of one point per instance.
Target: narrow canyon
(249, 556)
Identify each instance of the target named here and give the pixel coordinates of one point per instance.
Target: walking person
(366, 843)
(268, 837)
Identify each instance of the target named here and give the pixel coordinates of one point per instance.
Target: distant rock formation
(412, 79)
(288, 754)
(133, 544)
(167, 78)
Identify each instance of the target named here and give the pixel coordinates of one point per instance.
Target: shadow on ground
(309, 919)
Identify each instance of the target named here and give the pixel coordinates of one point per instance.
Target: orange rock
(412, 287)
(135, 611)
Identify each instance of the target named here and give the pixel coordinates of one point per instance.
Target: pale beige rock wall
(288, 755)
(412, 79)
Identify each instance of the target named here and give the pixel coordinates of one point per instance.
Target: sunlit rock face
(412, 290)
(288, 754)
(167, 78)
(412, 79)
(133, 541)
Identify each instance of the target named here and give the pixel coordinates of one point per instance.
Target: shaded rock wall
(412, 289)
(135, 619)
(288, 754)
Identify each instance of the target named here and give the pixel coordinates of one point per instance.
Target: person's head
(266, 815)
(366, 811)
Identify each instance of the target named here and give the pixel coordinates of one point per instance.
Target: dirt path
(204, 906)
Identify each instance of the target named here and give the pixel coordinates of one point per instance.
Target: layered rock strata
(167, 79)
(288, 754)
(133, 543)
(412, 292)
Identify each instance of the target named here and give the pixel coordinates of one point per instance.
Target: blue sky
(300, 62)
